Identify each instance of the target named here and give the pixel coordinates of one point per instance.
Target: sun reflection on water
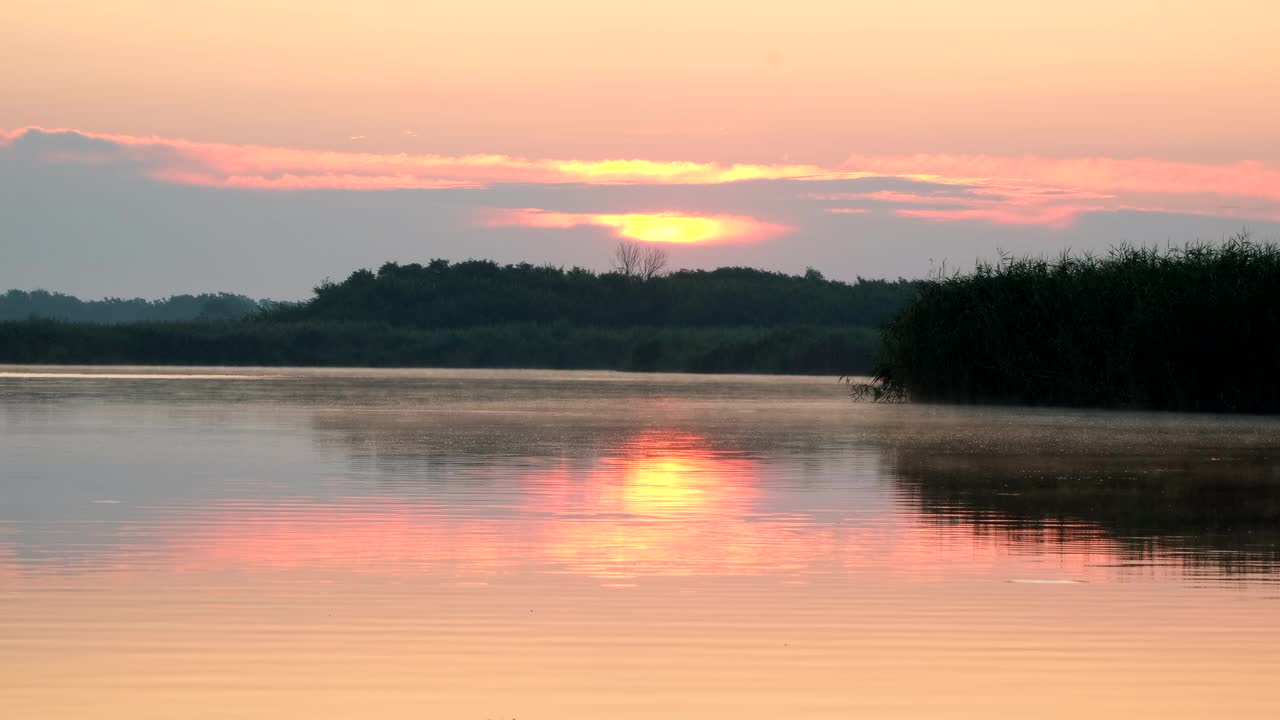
(659, 503)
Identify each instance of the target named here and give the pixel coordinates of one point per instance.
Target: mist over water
(526, 544)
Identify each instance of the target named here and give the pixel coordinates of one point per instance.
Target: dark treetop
(481, 314)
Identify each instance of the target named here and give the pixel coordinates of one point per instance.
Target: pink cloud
(1001, 205)
(955, 188)
(1103, 175)
(267, 167)
(1015, 202)
(1050, 215)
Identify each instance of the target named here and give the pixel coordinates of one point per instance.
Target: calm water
(454, 544)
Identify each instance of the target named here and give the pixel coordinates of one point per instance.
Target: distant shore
(480, 314)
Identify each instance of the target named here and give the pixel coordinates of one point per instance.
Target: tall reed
(1195, 328)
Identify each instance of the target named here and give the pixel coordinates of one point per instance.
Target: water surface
(462, 544)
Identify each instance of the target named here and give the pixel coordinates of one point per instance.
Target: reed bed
(1193, 328)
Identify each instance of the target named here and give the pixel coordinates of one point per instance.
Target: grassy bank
(1194, 329)
(801, 350)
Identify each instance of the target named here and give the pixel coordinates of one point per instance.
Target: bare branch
(639, 260)
(627, 257)
(652, 260)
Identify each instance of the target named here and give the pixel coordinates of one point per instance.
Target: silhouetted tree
(639, 260)
(653, 260)
(627, 257)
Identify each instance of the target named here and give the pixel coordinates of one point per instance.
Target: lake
(267, 543)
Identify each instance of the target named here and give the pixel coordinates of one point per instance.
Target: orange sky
(810, 80)
(867, 139)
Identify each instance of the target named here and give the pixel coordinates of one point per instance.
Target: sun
(652, 227)
(666, 228)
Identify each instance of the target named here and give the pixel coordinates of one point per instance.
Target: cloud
(97, 214)
(1014, 201)
(1052, 215)
(110, 228)
(1052, 192)
(997, 204)
(1105, 175)
(266, 167)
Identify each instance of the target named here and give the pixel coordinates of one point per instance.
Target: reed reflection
(1197, 512)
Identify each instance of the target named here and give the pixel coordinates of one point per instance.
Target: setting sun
(662, 227)
(668, 228)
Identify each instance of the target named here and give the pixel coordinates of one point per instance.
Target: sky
(150, 148)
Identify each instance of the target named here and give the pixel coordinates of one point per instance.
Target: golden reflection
(660, 473)
(666, 503)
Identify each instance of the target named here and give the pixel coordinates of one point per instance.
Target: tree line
(474, 293)
(478, 313)
(23, 305)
